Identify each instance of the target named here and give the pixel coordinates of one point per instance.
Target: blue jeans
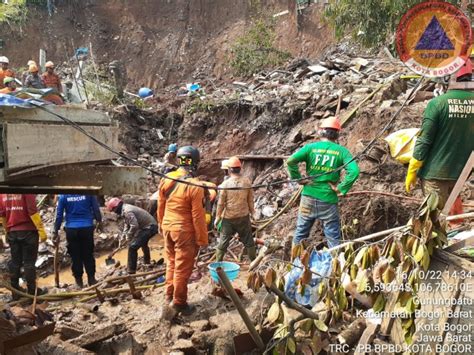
(312, 209)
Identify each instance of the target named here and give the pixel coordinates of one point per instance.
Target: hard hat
(225, 164)
(113, 203)
(145, 92)
(188, 156)
(173, 148)
(33, 68)
(7, 80)
(4, 60)
(31, 62)
(331, 122)
(49, 64)
(466, 69)
(234, 162)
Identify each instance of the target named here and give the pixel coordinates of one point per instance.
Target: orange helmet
(33, 68)
(331, 122)
(234, 162)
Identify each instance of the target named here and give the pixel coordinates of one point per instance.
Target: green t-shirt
(447, 135)
(324, 158)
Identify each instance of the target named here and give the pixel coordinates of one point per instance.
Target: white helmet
(4, 60)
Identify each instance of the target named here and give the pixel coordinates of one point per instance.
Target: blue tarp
(13, 101)
(319, 262)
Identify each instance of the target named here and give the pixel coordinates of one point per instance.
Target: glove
(36, 219)
(208, 218)
(413, 167)
(218, 225)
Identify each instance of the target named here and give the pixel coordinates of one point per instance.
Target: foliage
(254, 50)
(371, 22)
(392, 266)
(15, 12)
(201, 104)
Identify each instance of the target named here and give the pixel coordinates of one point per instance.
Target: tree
(371, 22)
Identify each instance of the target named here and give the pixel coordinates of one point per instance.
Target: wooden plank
(76, 113)
(461, 244)
(451, 259)
(39, 144)
(459, 184)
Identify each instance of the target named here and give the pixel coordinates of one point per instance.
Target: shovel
(56, 263)
(110, 260)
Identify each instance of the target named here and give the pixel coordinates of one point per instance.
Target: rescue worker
(80, 212)
(445, 141)
(319, 197)
(170, 158)
(140, 227)
(22, 222)
(27, 72)
(33, 80)
(181, 215)
(51, 79)
(10, 85)
(5, 71)
(234, 209)
(210, 195)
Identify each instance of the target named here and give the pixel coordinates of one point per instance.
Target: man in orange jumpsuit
(5, 71)
(181, 215)
(51, 79)
(10, 86)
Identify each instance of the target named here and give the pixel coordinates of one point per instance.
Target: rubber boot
(91, 280)
(146, 255)
(15, 283)
(132, 261)
(252, 253)
(30, 277)
(220, 254)
(79, 282)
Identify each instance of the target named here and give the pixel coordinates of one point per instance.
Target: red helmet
(466, 69)
(331, 122)
(113, 203)
(234, 162)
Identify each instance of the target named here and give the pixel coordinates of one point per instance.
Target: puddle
(65, 275)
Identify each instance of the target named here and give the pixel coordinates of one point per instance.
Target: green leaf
(320, 325)
(291, 345)
(379, 303)
(274, 313)
(306, 325)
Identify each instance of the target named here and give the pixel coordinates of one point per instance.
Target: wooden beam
(459, 184)
(461, 244)
(452, 259)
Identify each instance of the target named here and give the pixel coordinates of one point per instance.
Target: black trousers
(80, 246)
(140, 241)
(24, 251)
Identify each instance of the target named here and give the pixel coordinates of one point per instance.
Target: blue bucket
(230, 269)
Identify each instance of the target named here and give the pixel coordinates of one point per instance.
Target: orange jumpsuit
(5, 73)
(181, 215)
(52, 81)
